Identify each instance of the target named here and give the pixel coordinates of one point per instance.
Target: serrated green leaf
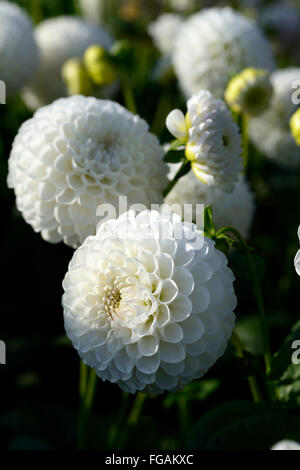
(241, 425)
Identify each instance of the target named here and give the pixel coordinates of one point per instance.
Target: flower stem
(163, 107)
(185, 167)
(117, 426)
(254, 388)
(260, 304)
(183, 416)
(87, 393)
(128, 93)
(136, 409)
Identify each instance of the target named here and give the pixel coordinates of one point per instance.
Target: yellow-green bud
(295, 126)
(76, 78)
(99, 66)
(249, 92)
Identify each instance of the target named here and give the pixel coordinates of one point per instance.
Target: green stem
(82, 379)
(36, 11)
(86, 404)
(183, 416)
(136, 409)
(117, 426)
(185, 167)
(128, 93)
(245, 140)
(254, 388)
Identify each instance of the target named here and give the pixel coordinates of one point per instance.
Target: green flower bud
(295, 126)
(249, 92)
(99, 66)
(76, 78)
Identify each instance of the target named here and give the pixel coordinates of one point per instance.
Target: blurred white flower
(78, 153)
(214, 45)
(18, 49)
(185, 6)
(213, 142)
(164, 31)
(286, 445)
(297, 257)
(147, 312)
(60, 39)
(270, 132)
(235, 209)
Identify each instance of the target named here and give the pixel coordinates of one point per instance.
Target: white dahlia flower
(94, 10)
(235, 209)
(215, 44)
(212, 138)
(18, 50)
(60, 39)
(270, 132)
(286, 445)
(148, 311)
(164, 31)
(76, 154)
(297, 257)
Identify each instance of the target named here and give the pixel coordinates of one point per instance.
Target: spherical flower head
(215, 44)
(297, 257)
(18, 49)
(249, 92)
(164, 31)
(77, 154)
(235, 209)
(144, 307)
(76, 78)
(60, 39)
(286, 445)
(270, 132)
(295, 126)
(213, 142)
(99, 66)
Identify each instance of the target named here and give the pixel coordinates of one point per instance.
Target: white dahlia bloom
(146, 311)
(213, 141)
(60, 39)
(235, 209)
(286, 445)
(18, 50)
(94, 10)
(270, 132)
(164, 31)
(297, 257)
(76, 154)
(215, 44)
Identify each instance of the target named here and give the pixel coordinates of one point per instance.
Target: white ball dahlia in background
(270, 132)
(164, 31)
(18, 49)
(146, 311)
(76, 154)
(286, 445)
(212, 139)
(297, 257)
(60, 39)
(235, 209)
(214, 45)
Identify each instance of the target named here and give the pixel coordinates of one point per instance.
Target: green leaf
(282, 359)
(241, 425)
(174, 156)
(197, 390)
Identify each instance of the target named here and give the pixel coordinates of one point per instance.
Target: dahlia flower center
(100, 153)
(111, 300)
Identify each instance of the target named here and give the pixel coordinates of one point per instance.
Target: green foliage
(282, 359)
(241, 425)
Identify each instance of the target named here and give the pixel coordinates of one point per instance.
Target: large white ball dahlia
(270, 132)
(146, 311)
(76, 154)
(235, 209)
(60, 39)
(164, 31)
(286, 445)
(18, 49)
(215, 44)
